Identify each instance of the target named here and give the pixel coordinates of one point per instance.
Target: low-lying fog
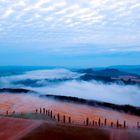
(65, 82)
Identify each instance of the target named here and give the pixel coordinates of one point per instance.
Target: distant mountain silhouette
(113, 73)
(88, 71)
(109, 75)
(110, 72)
(40, 82)
(135, 69)
(88, 77)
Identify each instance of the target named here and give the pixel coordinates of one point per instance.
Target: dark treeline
(124, 108)
(16, 90)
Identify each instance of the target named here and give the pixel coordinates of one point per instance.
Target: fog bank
(112, 93)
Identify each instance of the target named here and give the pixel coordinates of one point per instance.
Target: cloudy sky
(69, 32)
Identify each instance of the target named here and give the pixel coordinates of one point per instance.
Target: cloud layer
(65, 24)
(113, 93)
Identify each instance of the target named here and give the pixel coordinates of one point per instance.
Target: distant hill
(131, 69)
(16, 70)
(125, 66)
(114, 73)
(109, 75)
(108, 72)
(88, 77)
(40, 82)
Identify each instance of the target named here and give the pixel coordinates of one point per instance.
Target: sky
(73, 33)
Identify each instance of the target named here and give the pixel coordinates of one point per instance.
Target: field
(28, 127)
